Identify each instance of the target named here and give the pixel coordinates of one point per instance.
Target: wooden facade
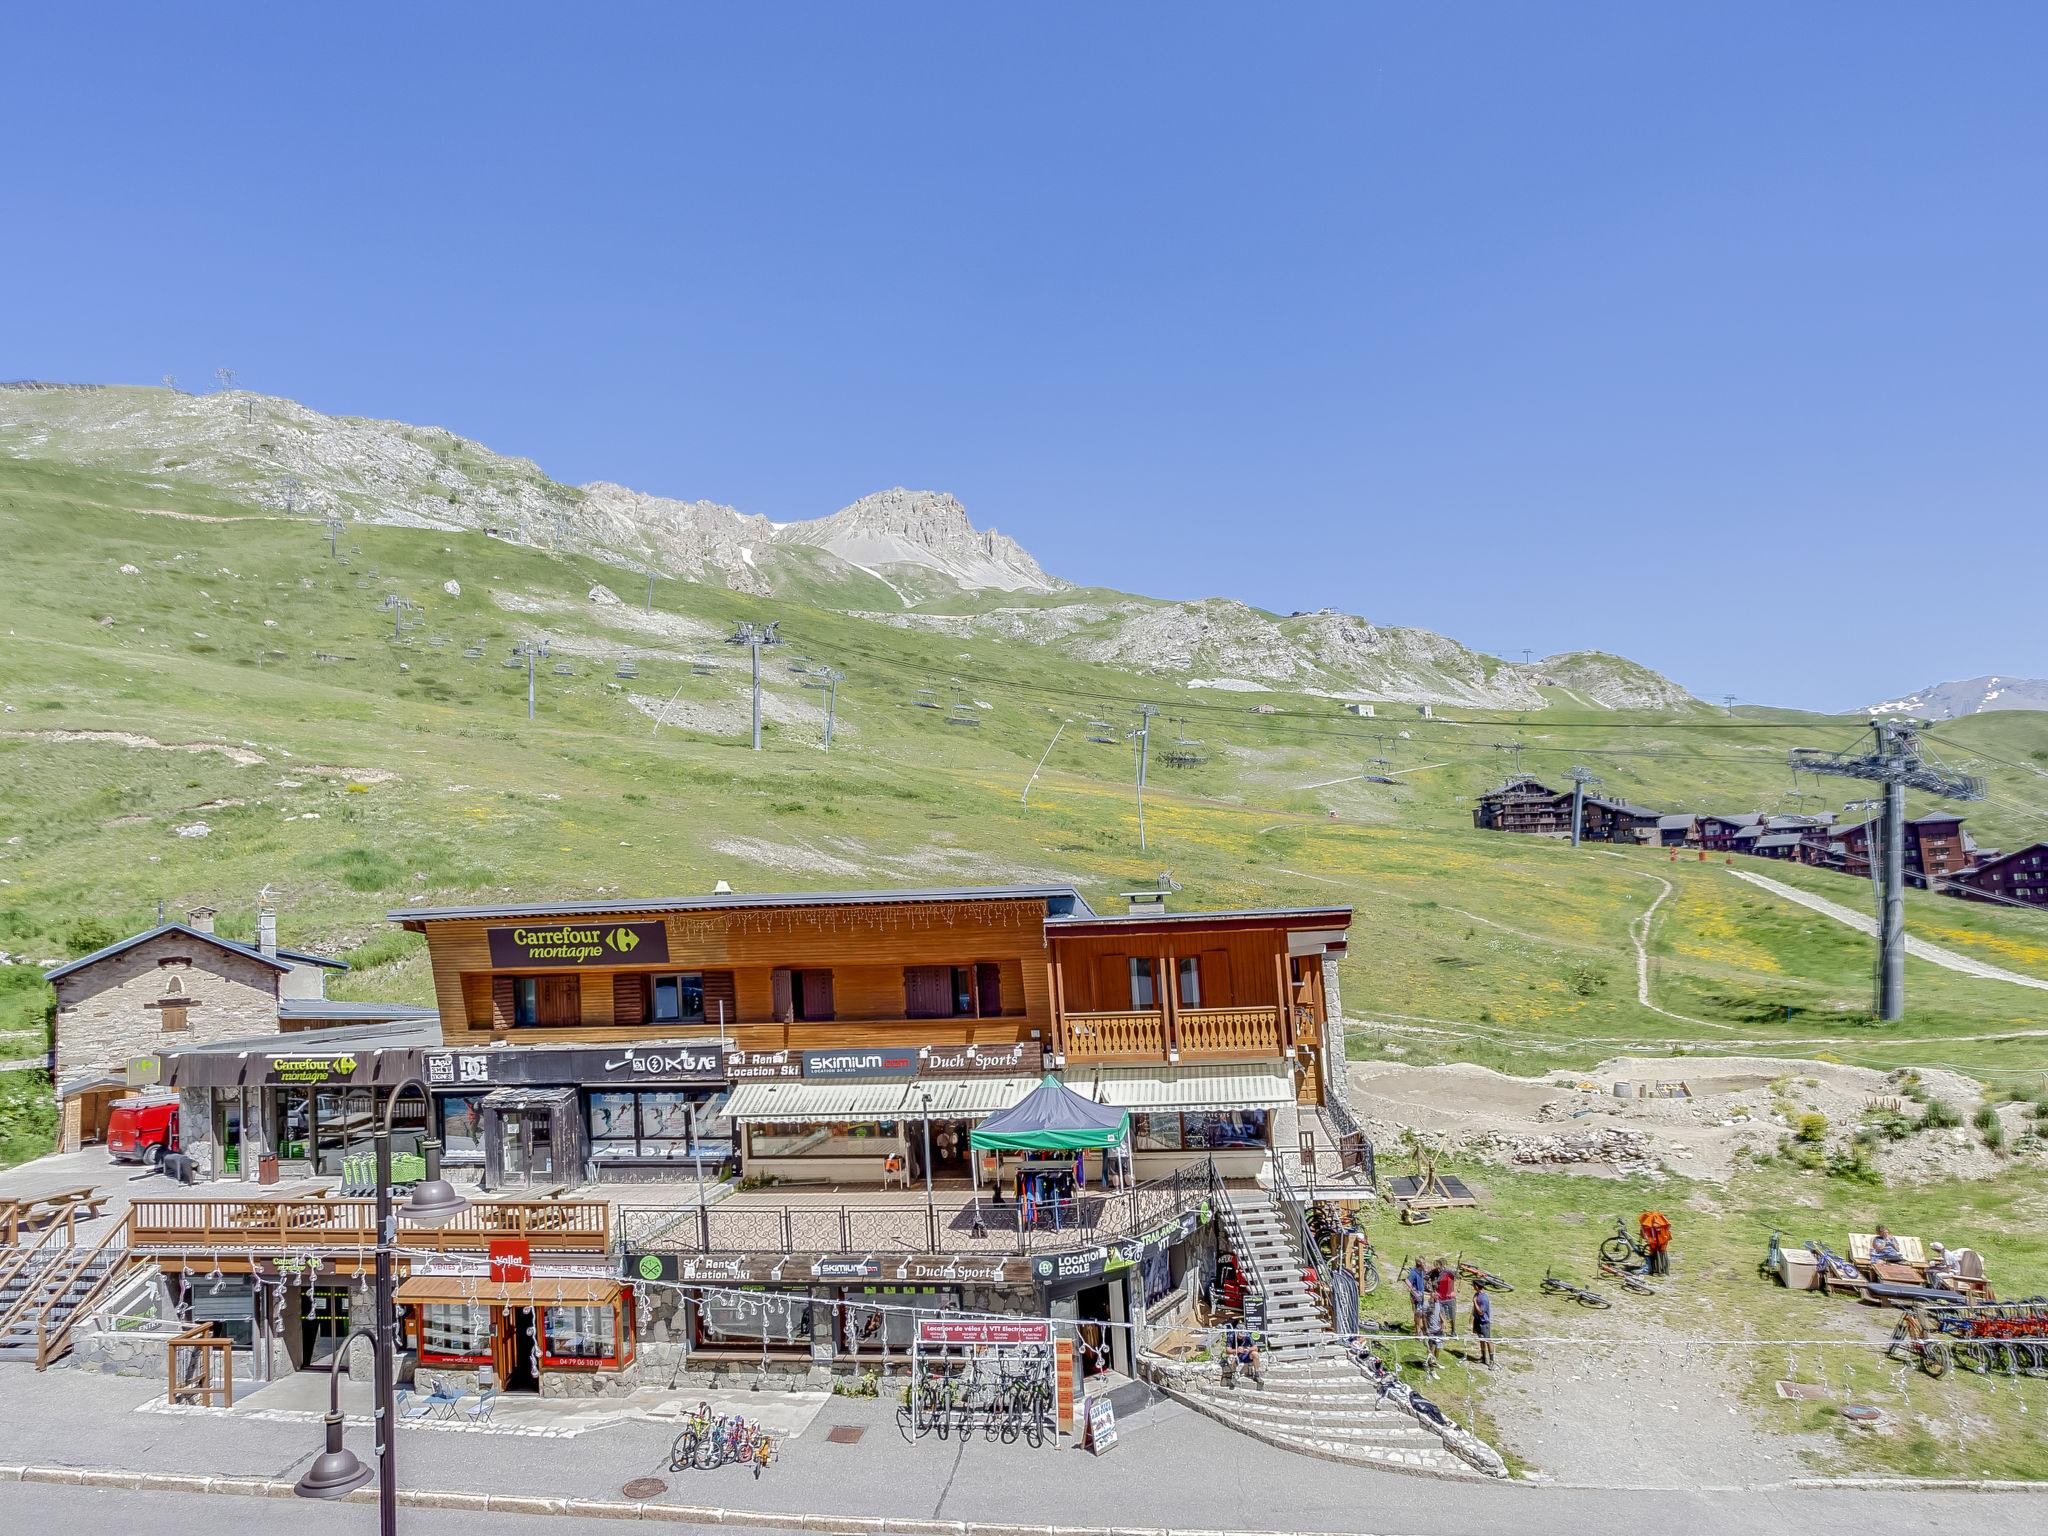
(989, 969)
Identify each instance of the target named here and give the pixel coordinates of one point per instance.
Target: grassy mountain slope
(348, 771)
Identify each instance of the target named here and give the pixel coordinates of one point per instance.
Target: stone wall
(103, 1020)
(1336, 1080)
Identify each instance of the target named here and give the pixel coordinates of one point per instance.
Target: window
(1144, 995)
(963, 991)
(1206, 1130)
(754, 1316)
(1157, 1133)
(679, 999)
(649, 1123)
(802, 996)
(526, 1000)
(1190, 982)
(579, 1335)
(872, 1318)
(455, 1331)
(462, 1125)
(840, 1138)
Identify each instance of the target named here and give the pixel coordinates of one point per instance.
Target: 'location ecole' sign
(580, 944)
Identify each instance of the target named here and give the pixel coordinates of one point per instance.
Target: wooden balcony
(1228, 1034)
(1139, 1036)
(548, 1226)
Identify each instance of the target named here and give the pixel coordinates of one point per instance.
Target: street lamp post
(929, 1208)
(336, 1471)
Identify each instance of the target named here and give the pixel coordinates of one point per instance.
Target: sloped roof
(1061, 900)
(1780, 840)
(183, 930)
(1682, 819)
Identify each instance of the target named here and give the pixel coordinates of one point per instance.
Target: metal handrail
(1285, 1195)
(21, 1258)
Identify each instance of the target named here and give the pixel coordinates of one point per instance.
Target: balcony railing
(1235, 1033)
(556, 1226)
(1204, 1034)
(1116, 1036)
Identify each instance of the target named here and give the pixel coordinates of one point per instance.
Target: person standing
(1433, 1333)
(1482, 1323)
(1447, 1295)
(1418, 1294)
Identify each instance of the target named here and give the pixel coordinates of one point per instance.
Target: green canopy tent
(1053, 1118)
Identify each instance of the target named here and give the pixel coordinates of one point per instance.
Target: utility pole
(1895, 762)
(753, 636)
(1141, 738)
(1580, 778)
(1727, 703)
(333, 533)
(833, 678)
(1514, 747)
(1026, 797)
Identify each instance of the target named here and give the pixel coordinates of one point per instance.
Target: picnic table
(37, 1211)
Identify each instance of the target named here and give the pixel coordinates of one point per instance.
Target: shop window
(678, 999)
(1157, 1133)
(462, 1126)
(1207, 1130)
(754, 1317)
(579, 1335)
(455, 1333)
(226, 1301)
(626, 1124)
(871, 1318)
(843, 1138)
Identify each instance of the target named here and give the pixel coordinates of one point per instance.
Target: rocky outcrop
(928, 530)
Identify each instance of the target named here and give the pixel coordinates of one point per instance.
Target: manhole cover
(845, 1434)
(645, 1488)
(1861, 1413)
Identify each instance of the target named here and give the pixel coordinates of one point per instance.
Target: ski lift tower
(753, 636)
(1895, 760)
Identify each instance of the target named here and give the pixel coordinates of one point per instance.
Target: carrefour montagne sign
(580, 944)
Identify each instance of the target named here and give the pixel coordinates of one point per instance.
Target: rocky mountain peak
(900, 527)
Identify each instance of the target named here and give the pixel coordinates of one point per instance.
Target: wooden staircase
(47, 1286)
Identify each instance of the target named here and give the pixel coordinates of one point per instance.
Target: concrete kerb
(1920, 1484)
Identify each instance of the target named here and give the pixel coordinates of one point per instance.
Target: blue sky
(1713, 335)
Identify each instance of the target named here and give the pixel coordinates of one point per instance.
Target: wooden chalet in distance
(2007, 878)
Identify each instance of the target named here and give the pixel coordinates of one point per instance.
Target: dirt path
(1639, 935)
(1920, 949)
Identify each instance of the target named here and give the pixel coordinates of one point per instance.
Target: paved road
(1171, 1469)
(1920, 949)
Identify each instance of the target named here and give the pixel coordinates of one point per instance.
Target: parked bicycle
(1554, 1286)
(1482, 1280)
(1630, 1279)
(1926, 1350)
(1623, 1251)
(712, 1440)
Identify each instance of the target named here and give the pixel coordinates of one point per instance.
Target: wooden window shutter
(629, 999)
(784, 997)
(927, 992)
(1217, 988)
(476, 1000)
(561, 1000)
(503, 1014)
(1115, 972)
(721, 999)
(818, 995)
(988, 987)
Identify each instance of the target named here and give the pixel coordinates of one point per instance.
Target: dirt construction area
(1578, 1122)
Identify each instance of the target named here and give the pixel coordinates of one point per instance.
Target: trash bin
(266, 1168)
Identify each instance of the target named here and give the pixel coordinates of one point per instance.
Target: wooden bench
(1909, 1269)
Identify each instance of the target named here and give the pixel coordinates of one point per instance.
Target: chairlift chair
(472, 651)
(563, 669)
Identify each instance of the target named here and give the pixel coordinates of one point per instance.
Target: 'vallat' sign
(579, 944)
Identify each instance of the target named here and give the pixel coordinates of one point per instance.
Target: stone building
(179, 984)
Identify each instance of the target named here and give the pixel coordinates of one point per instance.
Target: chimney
(721, 889)
(201, 919)
(266, 930)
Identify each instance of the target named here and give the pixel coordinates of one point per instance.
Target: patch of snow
(452, 588)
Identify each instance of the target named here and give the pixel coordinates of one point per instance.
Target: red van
(143, 1130)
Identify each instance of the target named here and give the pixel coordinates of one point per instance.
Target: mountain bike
(1482, 1280)
(1553, 1286)
(1629, 1278)
(1929, 1351)
(1623, 1251)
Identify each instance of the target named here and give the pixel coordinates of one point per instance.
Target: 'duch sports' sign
(581, 944)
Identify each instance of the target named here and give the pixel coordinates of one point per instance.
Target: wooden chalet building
(1937, 848)
(2020, 876)
(1524, 805)
(1723, 834)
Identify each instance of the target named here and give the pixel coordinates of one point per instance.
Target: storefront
(297, 1105)
(532, 1116)
(558, 1335)
(1107, 1290)
(861, 1115)
(1183, 1116)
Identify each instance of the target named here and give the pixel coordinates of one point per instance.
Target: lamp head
(336, 1472)
(432, 1201)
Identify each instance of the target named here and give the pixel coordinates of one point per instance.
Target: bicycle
(1553, 1286)
(1482, 1280)
(1623, 1251)
(1631, 1280)
(1931, 1354)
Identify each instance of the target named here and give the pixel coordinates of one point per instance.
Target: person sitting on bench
(1885, 1249)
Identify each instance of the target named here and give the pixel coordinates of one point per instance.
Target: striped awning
(1197, 1087)
(896, 1098)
